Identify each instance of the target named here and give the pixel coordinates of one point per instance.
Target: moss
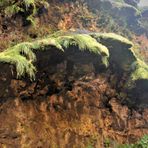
(84, 41)
(112, 37)
(120, 49)
(123, 56)
(23, 57)
(140, 70)
(85, 48)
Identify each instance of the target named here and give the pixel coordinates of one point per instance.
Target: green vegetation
(122, 5)
(30, 7)
(140, 70)
(85, 42)
(112, 37)
(123, 56)
(120, 49)
(104, 46)
(23, 57)
(142, 143)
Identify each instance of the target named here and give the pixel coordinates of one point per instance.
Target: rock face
(98, 49)
(125, 14)
(76, 111)
(80, 108)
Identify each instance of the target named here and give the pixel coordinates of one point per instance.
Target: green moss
(123, 56)
(112, 37)
(120, 49)
(83, 41)
(103, 45)
(140, 70)
(23, 57)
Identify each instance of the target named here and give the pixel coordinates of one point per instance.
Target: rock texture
(64, 112)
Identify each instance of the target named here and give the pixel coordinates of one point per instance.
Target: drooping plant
(22, 55)
(123, 56)
(102, 46)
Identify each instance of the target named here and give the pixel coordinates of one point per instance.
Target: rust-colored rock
(78, 112)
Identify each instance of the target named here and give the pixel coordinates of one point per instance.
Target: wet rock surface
(66, 111)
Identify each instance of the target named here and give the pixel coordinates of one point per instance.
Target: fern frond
(25, 50)
(139, 71)
(47, 42)
(23, 66)
(22, 55)
(85, 43)
(111, 37)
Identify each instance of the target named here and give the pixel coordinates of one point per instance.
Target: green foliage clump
(140, 70)
(104, 46)
(120, 49)
(84, 42)
(112, 37)
(30, 7)
(23, 56)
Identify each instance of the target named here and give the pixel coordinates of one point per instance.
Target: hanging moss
(22, 56)
(140, 70)
(85, 43)
(78, 48)
(123, 56)
(112, 37)
(120, 49)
